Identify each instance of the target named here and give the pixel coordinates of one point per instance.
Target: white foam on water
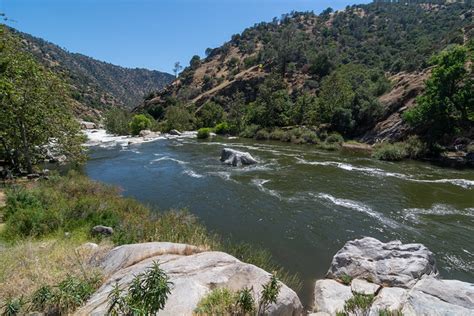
(100, 138)
(166, 158)
(356, 206)
(192, 173)
(259, 184)
(464, 183)
(457, 263)
(413, 214)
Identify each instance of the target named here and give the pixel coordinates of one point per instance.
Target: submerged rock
(175, 132)
(194, 274)
(236, 158)
(389, 264)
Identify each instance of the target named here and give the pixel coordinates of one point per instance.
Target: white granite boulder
(388, 264)
(330, 296)
(194, 274)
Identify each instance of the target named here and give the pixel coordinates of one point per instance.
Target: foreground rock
(102, 230)
(389, 264)
(236, 158)
(402, 278)
(147, 134)
(193, 272)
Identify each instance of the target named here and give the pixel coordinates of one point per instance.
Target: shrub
(13, 307)
(116, 121)
(250, 131)
(359, 304)
(219, 301)
(222, 128)
(415, 148)
(147, 294)
(262, 135)
(334, 138)
(309, 137)
(346, 279)
(204, 133)
(279, 134)
(390, 152)
(222, 301)
(140, 122)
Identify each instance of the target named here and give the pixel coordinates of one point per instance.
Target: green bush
(140, 122)
(204, 133)
(116, 121)
(309, 137)
(415, 147)
(390, 152)
(359, 304)
(13, 307)
(334, 138)
(146, 295)
(219, 301)
(222, 128)
(262, 135)
(279, 134)
(250, 131)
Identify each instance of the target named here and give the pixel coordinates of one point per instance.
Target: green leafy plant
(390, 152)
(13, 306)
(41, 299)
(359, 304)
(140, 122)
(269, 295)
(204, 133)
(245, 302)
(222, 128)
(346, 279)
(146, 294)
(219, 301)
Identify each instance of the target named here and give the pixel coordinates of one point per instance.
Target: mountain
(310, 52)
(95, 85)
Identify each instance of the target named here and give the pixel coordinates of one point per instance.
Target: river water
(301, 203)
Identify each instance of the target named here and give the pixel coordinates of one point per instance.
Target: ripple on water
(413, 214)
(259, 183)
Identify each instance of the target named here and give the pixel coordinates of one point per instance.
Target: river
(301, 203)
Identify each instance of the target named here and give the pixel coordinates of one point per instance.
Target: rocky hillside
(96, 85)
(304, 49)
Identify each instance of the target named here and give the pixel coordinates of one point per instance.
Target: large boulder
(194, 274)
(236, 158)
(175, 132)
(389, 299)
(388, 264)
(102, 230)
(431, 296)
(330, 296)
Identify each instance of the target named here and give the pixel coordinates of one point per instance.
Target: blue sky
(146, 33)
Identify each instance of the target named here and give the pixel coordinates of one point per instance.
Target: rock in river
(236, 158)
(194, 273)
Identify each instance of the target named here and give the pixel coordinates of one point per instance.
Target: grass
(45, 225)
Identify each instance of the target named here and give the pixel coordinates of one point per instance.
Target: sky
(151, 34)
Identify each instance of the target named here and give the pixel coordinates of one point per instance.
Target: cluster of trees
(446, 108)
(35, 113)
(346, 101)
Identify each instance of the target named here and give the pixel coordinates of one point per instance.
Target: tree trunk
(26, 148)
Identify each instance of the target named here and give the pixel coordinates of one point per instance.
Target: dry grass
(27, 265)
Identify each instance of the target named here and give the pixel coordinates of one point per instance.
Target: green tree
(36, 109)
(210, 114)
(447, 104)
(116, 121)
(140, 122)
(178, 117)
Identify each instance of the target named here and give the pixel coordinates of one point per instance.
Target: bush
(390, 152)
(222, 128)
(140, 122)
(250, 131)
(116, 121)
(334, 138)
(359, 304)
(279, 134)
(204, 133)
(146, 295)
(13, 307)
(222, 301)
(415, 148)
(309, 137)
(262, 135)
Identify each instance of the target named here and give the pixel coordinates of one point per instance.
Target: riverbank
(47, 223)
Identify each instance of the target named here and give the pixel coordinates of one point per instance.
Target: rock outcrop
(402, 278)
(389, 264)
(194, 273)
(236, 158)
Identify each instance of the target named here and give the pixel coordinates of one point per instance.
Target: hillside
(96, 85)
(389, 45)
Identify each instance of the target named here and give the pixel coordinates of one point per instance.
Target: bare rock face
(194, 274)
(388, 264)
(363, 287)
(236, 158)
(330, 296)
